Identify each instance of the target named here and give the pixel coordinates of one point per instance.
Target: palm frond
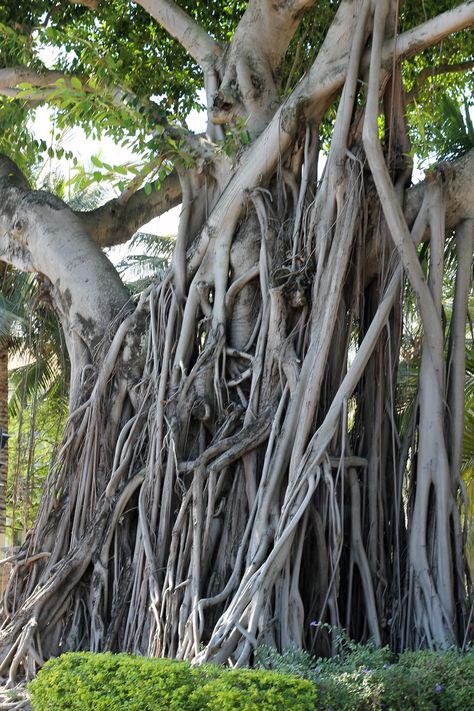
(138, 269)
(455, 134)
(40, 376)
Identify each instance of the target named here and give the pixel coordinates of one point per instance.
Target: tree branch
(428, 72)
(11, 77)
(457, 343)
(251, 75)
(115, 222)
(39, 233)
(195, 40)
(458, 189)
(314, 94)
(45, 86)
(93, 4)
(429, 33)
(391, 208)
(270, 26)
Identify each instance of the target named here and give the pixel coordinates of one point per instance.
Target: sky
(110, 152)
(43, 126)
(166, 224)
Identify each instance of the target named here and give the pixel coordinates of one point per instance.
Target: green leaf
(95, 160)
(76, 84)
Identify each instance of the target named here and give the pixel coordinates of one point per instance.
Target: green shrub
(110, 682)
(358, 678)
(290, 661)
(362, 678)
(431, 680)
(248, 690)
(118, 682)
(418, 681)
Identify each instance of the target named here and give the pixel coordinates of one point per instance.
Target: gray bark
(39, 233)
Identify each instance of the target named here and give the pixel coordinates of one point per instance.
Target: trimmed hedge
(359, 678)
(117, 682)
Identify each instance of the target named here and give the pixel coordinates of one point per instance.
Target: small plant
(247, 690)
(118, 682)
(237, 136)
(290, 661)
(361, 677)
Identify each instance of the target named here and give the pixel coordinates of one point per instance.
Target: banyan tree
(236, 463)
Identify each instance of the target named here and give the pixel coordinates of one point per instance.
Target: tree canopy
(106, 48)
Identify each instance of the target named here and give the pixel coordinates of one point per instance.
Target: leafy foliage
(37, 393)
(360, 677)
(115, 50)
(36, 427)
(37, 343)
(95, 682)
(148, 257)
(455, 135)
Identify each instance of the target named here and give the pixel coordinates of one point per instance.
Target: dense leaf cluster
(119, 47)
(106, 682)
(362, 678)
(357, 678)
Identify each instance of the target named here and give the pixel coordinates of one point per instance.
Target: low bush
(248, 690)
(418, 681)
(362, 678)
(118, 682)
(357, 678)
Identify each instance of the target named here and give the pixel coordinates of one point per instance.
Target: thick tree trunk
(38, 232)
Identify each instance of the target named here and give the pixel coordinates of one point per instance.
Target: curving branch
(457, 344)
(458, 182)
(92, 4)
(429, 33)
(270, 26)
(456, 177)
(44, 86)
(391, 208)
(429, 72)
(315, 92)
(251, 77)
(246, 81)
(195, 40)
(39, 233)
(11, 77)
(115, 222)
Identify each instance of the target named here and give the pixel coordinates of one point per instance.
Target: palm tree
(30, 335)
(148, 257)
